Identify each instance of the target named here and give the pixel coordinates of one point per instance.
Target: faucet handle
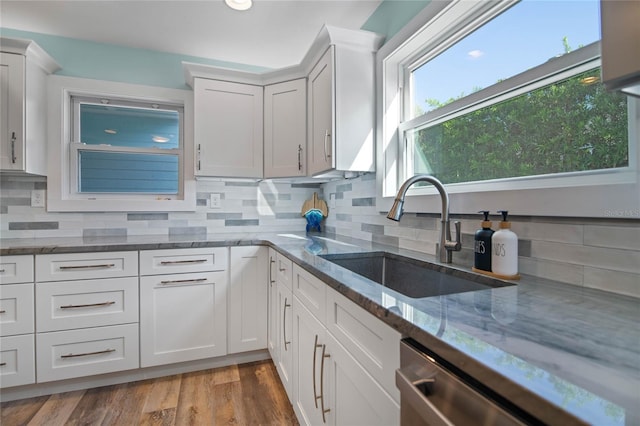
(457, 244)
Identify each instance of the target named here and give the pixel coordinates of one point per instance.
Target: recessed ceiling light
(110, 131)
(239, 4)
(159, 139)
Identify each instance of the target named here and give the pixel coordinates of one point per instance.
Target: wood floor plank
(264, 399)
(128, 404)
(21, 411)
(226, 374)
(162, 401)
(95, 405)
(195, 406)
(57, 409)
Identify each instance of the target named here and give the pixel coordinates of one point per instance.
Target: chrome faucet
(446, 245)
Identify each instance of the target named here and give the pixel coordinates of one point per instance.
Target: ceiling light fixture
(239, 4)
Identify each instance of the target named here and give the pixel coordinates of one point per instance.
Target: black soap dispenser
(482, 249)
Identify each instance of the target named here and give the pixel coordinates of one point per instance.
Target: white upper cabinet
(321, 129)
(24, 67)
(285, 129)
(228, 119)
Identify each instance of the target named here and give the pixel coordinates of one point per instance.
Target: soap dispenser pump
(504, 249)
(482, 247)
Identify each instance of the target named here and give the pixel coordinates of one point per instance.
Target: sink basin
(410, 277)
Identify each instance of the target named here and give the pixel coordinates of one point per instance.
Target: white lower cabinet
(272, 320)
(87, 351)
(248, 291)
(17, 360)
(183, 317)
(340, 384)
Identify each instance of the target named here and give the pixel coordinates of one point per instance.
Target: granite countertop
(549, 347)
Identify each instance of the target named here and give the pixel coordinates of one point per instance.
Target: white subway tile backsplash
(619, 237)
(615, 281)
(615, 259)
(565, 272)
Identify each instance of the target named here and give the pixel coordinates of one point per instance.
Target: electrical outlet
(332, 200)
(37, 198)
(215, 201)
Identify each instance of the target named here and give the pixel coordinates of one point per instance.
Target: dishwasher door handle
(419, 402)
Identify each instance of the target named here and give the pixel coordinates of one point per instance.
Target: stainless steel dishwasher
(432, 393)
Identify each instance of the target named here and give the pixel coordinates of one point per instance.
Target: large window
(503, 96)
(122, 147)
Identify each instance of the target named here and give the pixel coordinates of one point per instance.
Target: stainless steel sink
(411, 277)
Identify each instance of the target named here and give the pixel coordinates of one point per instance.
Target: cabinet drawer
(374, 344)
(87, 303)
(16, 269)
(284, 268)
(310, 291)
(17, 361)
(82, 266)
(16, 309)
(156, 262)
(85, 352)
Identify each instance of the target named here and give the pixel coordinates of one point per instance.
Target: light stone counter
(555, 350)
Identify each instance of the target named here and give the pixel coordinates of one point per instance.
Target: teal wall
(79, 58)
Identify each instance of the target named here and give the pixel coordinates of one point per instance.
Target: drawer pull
(3, 312)
(91, 305)
(105, 265)
(1, 271)
(197, 280)
(2, 364)
(106, 351)
(182, 262)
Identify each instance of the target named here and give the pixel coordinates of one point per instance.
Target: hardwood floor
(247, 394)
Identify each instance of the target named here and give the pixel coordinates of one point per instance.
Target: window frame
(599, 193)
(63, 194)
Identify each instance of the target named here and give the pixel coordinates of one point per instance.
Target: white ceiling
(272, 34)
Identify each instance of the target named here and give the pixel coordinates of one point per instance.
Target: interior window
(125, 147)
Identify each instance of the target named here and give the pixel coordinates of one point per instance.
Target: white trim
(603, 193)
(60, 195)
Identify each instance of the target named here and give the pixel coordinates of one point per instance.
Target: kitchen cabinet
(248, 292)
(285, 129)
(24, 67)
(86, 314)
(17, 347)
(228, 129)
(183, 314)
(333, 383)
(281, 320)
(272, 320)
(341, 111)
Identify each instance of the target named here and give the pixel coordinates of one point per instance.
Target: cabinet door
(309, 343)
(283, 344)
(228, 120)
(285, 130)
(272, 313)
(16, 309)
(321, 129)
(353, 396)
(182, 317)
(248, 289)
(12, 95)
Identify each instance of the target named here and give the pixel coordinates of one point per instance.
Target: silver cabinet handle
(91, 305)
(315, 349)
(327, 136)
(299, 157)
(198, 156)
(322, 409)
(182, 262)
(284, 324)
(105, 265)
(3, 312)
(106, 351)
(2, 364)
(13, 147)
(1, 271)
(271, 262)
(196, 280)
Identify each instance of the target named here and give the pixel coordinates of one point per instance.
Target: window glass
(515, 98)
(127, 149)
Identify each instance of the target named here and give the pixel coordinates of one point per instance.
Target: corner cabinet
(24, 67)
(285, 129)
(341, 109)
(228, 129)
